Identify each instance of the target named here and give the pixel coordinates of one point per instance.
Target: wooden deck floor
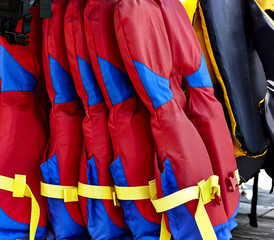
(265, 230)
(265, 212)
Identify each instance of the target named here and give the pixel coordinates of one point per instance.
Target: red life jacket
(203, 109)
(22, 137)
(147, 48)
(61, 166)
(103, 219)
(129, 120)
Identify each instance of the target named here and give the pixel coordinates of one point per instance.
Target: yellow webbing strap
(204, 192)
(68, 193)
(165, 235)
(97, 192)
(133, 193)
(143, 193)
(19, 188)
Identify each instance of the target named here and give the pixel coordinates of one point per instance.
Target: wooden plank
(265, 230)
(265, 212)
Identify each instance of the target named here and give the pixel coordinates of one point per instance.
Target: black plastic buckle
(17, 38)
(232, 182)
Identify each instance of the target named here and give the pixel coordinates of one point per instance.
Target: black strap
(11, 9)
(10, 13)
(45, 9)
(253, 215)
(271, 190)
(26, 17)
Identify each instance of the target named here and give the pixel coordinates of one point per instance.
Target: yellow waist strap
(97, 192)
(204, 192)
(122, 193)
(68, 193)
(19, 188)
(133, 193)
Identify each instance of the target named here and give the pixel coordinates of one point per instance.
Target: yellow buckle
(115, 199)
(70, 195)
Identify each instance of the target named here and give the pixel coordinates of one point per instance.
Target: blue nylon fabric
(13, 76)
(89, 81)
(100, 225)
(63, 225)
(156, 86)
(62, 83)
(11, 229)
(118, 84)
(201, 77)
(181, 222)
(223, 230)
(140, 227)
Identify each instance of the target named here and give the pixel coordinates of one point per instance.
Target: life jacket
(129, 122)
(104, 220)
(263, 37)
(183, 160)
(203, 109)
(22, 138)
(240, 75)
(60, 168)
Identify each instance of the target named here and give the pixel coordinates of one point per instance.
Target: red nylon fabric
(203, 109)
(142, 36)
(22, 133)
(65, 118)
(97, 141)
(129, 121)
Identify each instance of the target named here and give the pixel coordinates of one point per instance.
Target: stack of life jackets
(154, 140)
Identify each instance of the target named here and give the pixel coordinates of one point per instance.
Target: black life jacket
(227, 33)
